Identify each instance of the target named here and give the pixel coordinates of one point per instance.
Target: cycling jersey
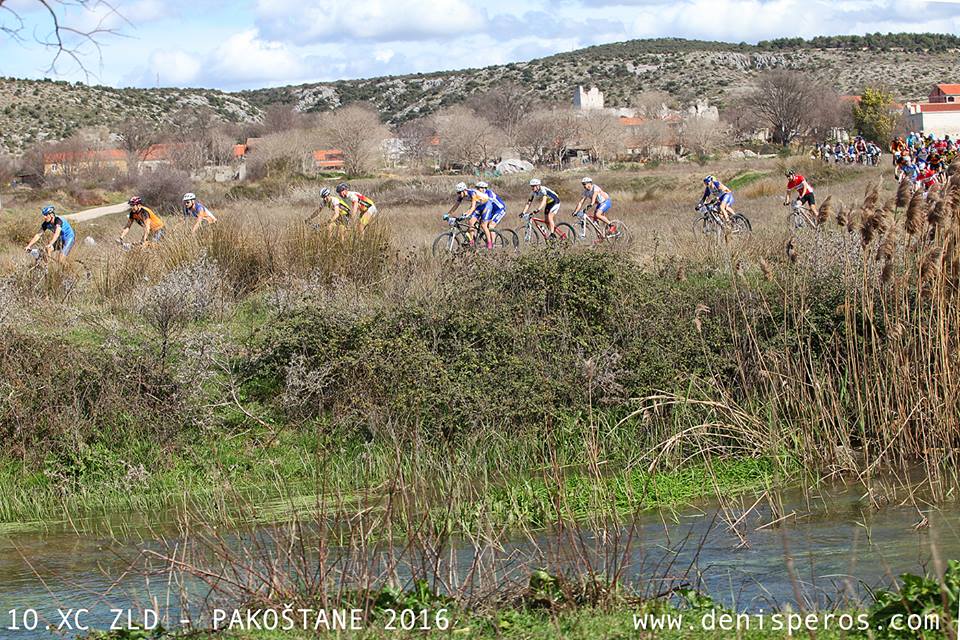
(715, 188)
(362, 201)
(799, 184)
(337, 204)
(600, 193)
(910, 171)
(927, 178)
(65, 242)
(198, 210)
(552, 198)
(146, 215)
(497, 207)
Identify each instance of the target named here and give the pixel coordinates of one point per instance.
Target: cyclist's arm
(579, 206)
(123, 232)
(316, 212)
(146, 232)
(57, 231)
(456, 205)
(706, 194)
(34, 240)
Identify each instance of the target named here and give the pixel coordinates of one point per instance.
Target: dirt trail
(96, 212)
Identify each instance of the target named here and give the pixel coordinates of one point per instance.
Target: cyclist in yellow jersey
(340, 210)
(480, 203)
(146, 218)
(360, 205)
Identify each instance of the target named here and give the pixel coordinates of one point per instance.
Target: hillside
(35, 110)
(908, 63)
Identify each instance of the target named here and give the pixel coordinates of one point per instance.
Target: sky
(260, 43)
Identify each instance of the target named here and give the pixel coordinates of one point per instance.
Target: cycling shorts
(552, 208)
(603, 207)
(808, 199)
(497, 215)
(65, 244)
(483, 212)
(726, 198)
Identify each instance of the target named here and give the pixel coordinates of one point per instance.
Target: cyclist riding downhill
(723, 194)
(63, 236)
(340, 210)
(480, 206)
(194, 208)
(547, 201)
(804, 192)
(361, 207)
(144, 216)
(493, 213)
(594, 196)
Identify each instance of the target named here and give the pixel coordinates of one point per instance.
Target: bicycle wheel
(527, 238)
(798, 221)
(563, 234)
(705, 226)
(511, 236)
(445, 244)
(617, 231)
(740, 224)
(498, 241)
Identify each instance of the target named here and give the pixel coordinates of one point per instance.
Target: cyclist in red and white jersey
(796, 182)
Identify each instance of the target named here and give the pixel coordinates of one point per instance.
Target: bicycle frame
(531, 223)
(584, 217)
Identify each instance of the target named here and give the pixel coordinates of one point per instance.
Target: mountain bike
(462, 236)
(616, 230)
(802, 215)
(710, 222)
(534, 231)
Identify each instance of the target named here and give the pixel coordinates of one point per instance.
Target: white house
(940, 115)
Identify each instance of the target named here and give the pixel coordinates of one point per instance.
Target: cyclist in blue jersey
(546, 200)
(63, 237)
(494, 212)
(723, 194)
(479, 206)
(194, 208)
(594, 196)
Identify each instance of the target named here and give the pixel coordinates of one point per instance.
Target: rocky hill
(907, 63)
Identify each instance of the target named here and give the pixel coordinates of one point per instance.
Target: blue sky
(255, 43)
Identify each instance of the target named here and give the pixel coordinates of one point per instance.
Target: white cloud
(317, 21)
(172, 68)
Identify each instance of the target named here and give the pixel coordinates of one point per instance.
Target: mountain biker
(926, 177)
(494, 213)
(796, 182)
(340, 210)
(480, 206)
(146, 218)
(594, 196)
(63, 236)
(549, 203)
(193, 207)
(723, 194)
(360, 205)
(860, 148)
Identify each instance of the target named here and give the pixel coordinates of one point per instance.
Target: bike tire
(564, 234)
(527, 240)
(446, 244)
(704, 226)
(621, 232)
(512, 237)
(740, 224)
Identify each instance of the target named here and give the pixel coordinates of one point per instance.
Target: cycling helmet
(708, 179)
(587, 180)
(460, 187)
(324, 192)
(535, 182)
(343, 186)
(481, 185)
(790, 172)
(135, 200)
(189, 196)
(48, 210)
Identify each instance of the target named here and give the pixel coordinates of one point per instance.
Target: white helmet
(587, 180)
(481, 185)
(189, 196)
(460, 187)
(535, 182)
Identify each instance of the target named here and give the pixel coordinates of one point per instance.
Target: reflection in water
(838, 546)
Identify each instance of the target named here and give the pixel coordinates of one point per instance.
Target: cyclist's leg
(549, 215)
(726, 207)
(367, 217)
(63, 247)
(601, 210)
(811, 201)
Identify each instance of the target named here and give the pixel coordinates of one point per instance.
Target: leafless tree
(283, 152)
(136, 136)
(703, 136)
(741, 119)
(280, 117)
(418, 137)
(603, 134)
(48, 23)
(506, 105)
(548, 134)
(466, 138)
(649, 137)
(357, 132)
(653, 104)
(827, 111)
(782, 101)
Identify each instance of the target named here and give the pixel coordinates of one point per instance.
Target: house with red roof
(940, 115)
(327, 160)
(66, 162)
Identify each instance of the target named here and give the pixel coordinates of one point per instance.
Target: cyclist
(63, 236)
(723, 194)
(796, 182)
(493, 213)
(480, 205)
(146, 218)
(594, 196)
(193, 207)
(549, 203)
(860, 148)
(926, 177)
(360, 205)
(340, 210)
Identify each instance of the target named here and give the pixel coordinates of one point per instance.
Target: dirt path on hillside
(97, 212)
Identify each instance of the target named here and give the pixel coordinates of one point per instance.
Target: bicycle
(464, 237)
(802, 215)
(616, 230)
(535, 231)
(711, 222)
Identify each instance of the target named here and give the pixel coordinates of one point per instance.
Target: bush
(162, 189)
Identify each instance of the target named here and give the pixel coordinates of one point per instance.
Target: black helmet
(343, 186)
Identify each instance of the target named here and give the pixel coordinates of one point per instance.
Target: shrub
(162, 189)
